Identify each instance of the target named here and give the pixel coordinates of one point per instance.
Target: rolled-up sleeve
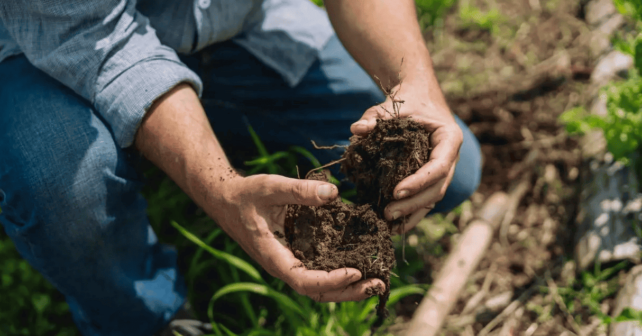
(104, 50)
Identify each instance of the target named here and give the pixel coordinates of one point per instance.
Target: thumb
(367, 121)
(304, 192)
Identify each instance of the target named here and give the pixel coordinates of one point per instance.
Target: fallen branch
(509, 309)
(511, 208)
(474, 301)
(465, 257)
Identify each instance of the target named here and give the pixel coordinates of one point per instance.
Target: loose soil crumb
(338, 235)
(376, 163)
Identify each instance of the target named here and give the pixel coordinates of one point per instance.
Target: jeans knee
(40, 188)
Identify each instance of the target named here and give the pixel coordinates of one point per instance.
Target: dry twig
(465, 257)
(327, 147)
(509, 309)
(516, 197)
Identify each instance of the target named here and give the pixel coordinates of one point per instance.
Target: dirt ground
(509, 84)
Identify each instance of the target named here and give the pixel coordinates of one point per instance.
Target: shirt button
(204, 3)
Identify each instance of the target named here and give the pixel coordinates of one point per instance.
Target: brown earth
(338, 235)
(509, 84)
(377, 162)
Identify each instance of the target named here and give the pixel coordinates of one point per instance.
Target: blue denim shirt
(121, 54)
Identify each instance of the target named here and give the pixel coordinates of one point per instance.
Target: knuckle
(298, 190)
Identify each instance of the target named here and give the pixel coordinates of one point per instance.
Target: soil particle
(377, 162)
(338, 235)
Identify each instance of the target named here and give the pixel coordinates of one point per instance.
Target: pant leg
(334, 94)
(71, 205)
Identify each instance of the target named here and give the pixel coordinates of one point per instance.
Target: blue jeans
(70, 197)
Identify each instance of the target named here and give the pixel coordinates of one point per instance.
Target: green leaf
(231, 259)
(399, 293)
(629, 314)
(395, 295)
(199, 252)
(283, 300)
(267, 159)
(257, 141)
(307, 155)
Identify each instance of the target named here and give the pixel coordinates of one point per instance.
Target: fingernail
(325, 191)
(396, 215)
(401, 194)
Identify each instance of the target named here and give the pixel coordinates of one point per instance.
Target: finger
(412, 221)
(281, 263)
(282, 190)
(357, 291)
(426, 199)
(308, 282)
(369, 119)
(442, 158)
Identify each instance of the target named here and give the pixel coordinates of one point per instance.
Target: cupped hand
(255, 208)
(418, 193)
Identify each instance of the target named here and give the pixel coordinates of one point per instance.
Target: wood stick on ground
(474, 301)
(516, 198)
(461, 262)
(509, 309)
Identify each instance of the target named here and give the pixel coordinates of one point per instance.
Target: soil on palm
(338, 235)
(377, 162)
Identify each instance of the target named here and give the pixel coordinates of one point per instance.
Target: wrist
(212, 184)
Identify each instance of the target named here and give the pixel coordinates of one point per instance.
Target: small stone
(598, 11)
(610, 66)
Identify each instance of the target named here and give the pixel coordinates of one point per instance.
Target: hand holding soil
(415, 195)
(255, 209)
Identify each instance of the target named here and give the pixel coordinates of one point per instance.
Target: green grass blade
(368, 307)
(267, 159)
(231, 259)
(199, 252)
(257, 141)
(395, 295)
(306, 154)
(260, 289)
(227, 331)
(399, 293)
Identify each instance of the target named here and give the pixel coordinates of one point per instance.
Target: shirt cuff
(124, 102)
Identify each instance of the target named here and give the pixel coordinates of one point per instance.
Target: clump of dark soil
(377, 162)
(338, 235)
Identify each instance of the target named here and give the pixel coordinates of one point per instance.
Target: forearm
(379, 34)
(177, 137)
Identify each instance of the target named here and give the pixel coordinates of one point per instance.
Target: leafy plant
(473, 17)
(30, 304)
(590, 290)
(300, 315)
(431, 11)
(622, 124)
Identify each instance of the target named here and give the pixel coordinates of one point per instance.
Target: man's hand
(417, 194)
(379, 34)
(177, 137)
(255, 208)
